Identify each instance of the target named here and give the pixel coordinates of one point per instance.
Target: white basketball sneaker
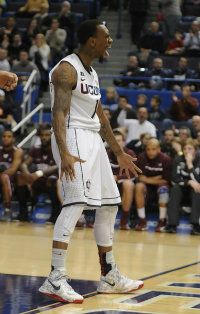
(114, 282)
(57, 287)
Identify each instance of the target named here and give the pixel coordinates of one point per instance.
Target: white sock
(58, 259)
(141, 212)
(162, 212)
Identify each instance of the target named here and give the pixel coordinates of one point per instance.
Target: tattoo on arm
(107, 133)
(64, 78)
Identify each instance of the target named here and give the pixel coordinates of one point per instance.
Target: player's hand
(143, 179)
(126, 164)
(67, 166)
(195, 185)
(8, 81)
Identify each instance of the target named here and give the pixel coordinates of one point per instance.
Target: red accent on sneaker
(131, 291)
(160, 225)
(56, 297)
(142, 225)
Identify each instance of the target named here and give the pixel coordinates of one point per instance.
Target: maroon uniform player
(155, 178)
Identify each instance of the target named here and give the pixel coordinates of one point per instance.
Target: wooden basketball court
(168, 263)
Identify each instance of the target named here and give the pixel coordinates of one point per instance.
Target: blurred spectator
(56, 37)
(169, 145)
(10, 159)
(184, 133)
(4, 64)
(5, 41)
(6, 114)
(40, 172)
(195, 125)
(111, 99)
(136, 127)
(15, 47)
(139, 146)
(10, 28)
(31, 8)
(171, 10)
(24, 65)
(198, 139)
(67, 21)
(182, 109)
(108, 113)
(156, 72)
(141, 101)
(186, 188)
(32, 30)
(155, 113)
(131, 70)
(125, 184)
(122, 105)
(192, 40)
(43, 18)
(138, 12)
(175, 46)
(40, 53)
(152, 40)
(181, 72)
(3, 5)
(153, 184)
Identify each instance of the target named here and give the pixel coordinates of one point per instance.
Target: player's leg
(140, 195)
(163, 198)
(56, 285)
(127, 200)
(195, 214)
(111, 279)
(7, 195)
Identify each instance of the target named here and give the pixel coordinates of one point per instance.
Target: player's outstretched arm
(64, 78)
(126, 162)
(8, 80)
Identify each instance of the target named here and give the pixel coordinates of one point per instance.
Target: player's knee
(128, 185)
(140, 187)
(163, 195)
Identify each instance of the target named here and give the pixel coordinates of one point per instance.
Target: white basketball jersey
(85, 96)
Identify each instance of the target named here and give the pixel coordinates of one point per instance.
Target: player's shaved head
(153, 142)
(152, 148)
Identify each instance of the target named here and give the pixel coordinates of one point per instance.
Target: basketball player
(85, 171)
(10, 159)
(8, 81)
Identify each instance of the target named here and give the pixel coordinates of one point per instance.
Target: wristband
(39, 173)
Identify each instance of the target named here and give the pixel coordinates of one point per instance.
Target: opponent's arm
(17, 160)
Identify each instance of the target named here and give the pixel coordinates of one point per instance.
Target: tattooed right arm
(64, 78)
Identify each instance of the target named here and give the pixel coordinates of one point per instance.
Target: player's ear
(92, 41)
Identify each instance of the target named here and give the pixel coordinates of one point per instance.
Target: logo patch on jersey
(89, 89)
(88, 185)
(82, 76)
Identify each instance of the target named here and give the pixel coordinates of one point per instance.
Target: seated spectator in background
(3, 5)
(67, 21)
(7, 120)
(41, 54)
(41, 174)
(169, 145)
(195, 125)
(156, 72)
(152, 41)
(125, 184)
(153, 183)
(56, 37)
(10, 28)
(4, 40)
(26, 66)
(136, 127)
(182, 109)
(181, 72)
(139, 146)
(198, 140)
(111, 98)
(171, 10)
(155, 113)
(11, 158)
(175, 46)
(32, 30)
(31, 7)
(141, 101)
(186, 188)
(122, 105)
(192, 40)
(4, 64)
(43, 18)
(184, 133)
(131, 70)
(138, 12)
(15, 47)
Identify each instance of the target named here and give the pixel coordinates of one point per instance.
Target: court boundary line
(91, 294)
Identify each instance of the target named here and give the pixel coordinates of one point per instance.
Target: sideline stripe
(58, 304)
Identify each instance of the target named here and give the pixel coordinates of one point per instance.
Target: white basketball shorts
(94, 185)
